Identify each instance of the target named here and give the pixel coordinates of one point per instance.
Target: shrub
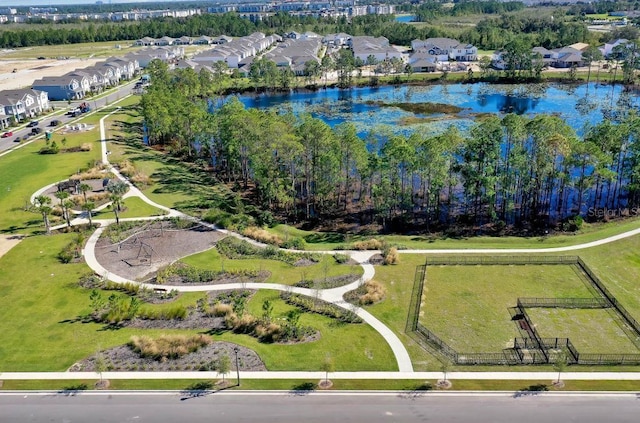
(245, 324)
(320, 307)
(369, 244)
(262, 235)
(341, 258)
(375, 292)
(295, 244)
(168, 346)
(268, 332)
(390, 256)
(235, 248)
(174, 312)
(50, 149)
(220, 310)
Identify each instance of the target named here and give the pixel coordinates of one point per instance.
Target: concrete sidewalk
(541, 376)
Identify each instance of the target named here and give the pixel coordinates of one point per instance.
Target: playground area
(138, 253)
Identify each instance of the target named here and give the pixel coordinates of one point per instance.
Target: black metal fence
(416, 297)
(609, 359)
(501, 260)
(626, 316)
(590, 303)
(531, 349)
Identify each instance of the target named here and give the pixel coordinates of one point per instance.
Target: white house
(445, 49)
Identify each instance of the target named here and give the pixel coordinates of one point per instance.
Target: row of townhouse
(20, 104)
(77, 84)
(239, 52)
(295, 53)
(182, 41)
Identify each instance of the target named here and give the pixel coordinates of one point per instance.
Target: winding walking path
(334, 295)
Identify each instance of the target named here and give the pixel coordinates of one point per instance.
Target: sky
(22, 3)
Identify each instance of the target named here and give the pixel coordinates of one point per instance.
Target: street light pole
(235, 350)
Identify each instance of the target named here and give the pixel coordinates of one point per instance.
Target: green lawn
(398, 280)
(40, 302)
(280, 272)
(468, 306)
(355, 347)
(24, 171)
(590, 331)
(133, 207)
(416, 386)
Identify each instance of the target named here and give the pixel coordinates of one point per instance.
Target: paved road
(45, 121)
(297, 407)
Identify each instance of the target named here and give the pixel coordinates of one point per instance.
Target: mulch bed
(140, 257)
(178, 280)
(123, 358)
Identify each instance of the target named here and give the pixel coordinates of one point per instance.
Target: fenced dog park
(510, 310)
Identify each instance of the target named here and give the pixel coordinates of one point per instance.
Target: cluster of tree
(514, 170)
(432, 9)
(489, 34)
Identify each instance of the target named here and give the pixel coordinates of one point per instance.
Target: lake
(577, 104)
(405, 18)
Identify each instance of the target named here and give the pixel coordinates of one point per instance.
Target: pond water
(405, 18)
(577, 104)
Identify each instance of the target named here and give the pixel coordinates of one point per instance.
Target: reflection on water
(577, 104)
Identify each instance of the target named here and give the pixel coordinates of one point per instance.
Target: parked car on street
(32, 124)
(18, 139)
(7, 134)
(55, 123)
(36, 130)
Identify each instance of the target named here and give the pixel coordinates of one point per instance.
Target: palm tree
(63, 195)
(43, 206)
(88, 207)
(68, 205)
(84, 188)
(117, 191)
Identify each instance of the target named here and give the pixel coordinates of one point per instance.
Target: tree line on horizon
(503, 24)
(529, 172)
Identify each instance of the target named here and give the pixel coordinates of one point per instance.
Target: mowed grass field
(468, 306)
(590, 331)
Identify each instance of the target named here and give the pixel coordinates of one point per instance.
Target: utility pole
(235, 350)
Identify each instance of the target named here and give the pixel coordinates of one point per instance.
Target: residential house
(5, 120)
(146, 41)
(446, 49)
(183, 41)
(63, 87)
(295, 53)
(165, 41)
(608, 49)
(23, 103)
(127, 66)
(425, 64)
(338, 40)
(223, 39)
(203, 40)
(567, 57)
(379, 48)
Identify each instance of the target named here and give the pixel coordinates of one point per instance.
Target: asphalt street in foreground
(316, 407)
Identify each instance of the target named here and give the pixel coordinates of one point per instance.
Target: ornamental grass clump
(375, 292)
(168, 347)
